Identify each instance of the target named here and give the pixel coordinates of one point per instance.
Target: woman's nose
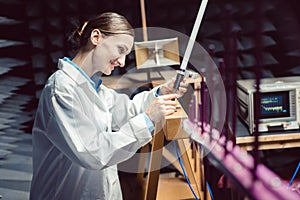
(121, 61)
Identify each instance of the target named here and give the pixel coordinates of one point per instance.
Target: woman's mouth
(114, 62)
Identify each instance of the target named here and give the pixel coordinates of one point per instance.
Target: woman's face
(111, 51)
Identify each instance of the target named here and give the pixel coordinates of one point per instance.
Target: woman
(82, 129)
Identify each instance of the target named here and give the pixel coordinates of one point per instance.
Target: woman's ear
(96, 36)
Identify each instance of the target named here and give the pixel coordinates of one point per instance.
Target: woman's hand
(161, 106)
(168, 88)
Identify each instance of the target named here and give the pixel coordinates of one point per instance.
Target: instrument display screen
(274, 104)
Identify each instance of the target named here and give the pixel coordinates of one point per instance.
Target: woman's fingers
(162, 106)
(168, 96)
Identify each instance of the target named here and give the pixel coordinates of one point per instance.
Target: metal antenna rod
(190, 45)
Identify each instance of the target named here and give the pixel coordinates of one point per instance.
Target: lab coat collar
(82, 82)
(72, 70)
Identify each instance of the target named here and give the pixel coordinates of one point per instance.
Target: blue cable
(184, 172)
(210, 191)
(295, 173)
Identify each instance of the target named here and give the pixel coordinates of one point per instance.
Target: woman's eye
(122, 50)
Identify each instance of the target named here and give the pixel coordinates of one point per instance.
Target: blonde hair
(108, 23)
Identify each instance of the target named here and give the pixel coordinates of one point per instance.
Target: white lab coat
(79, 137)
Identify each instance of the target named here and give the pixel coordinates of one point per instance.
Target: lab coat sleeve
(86, 145)
(123, 109)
